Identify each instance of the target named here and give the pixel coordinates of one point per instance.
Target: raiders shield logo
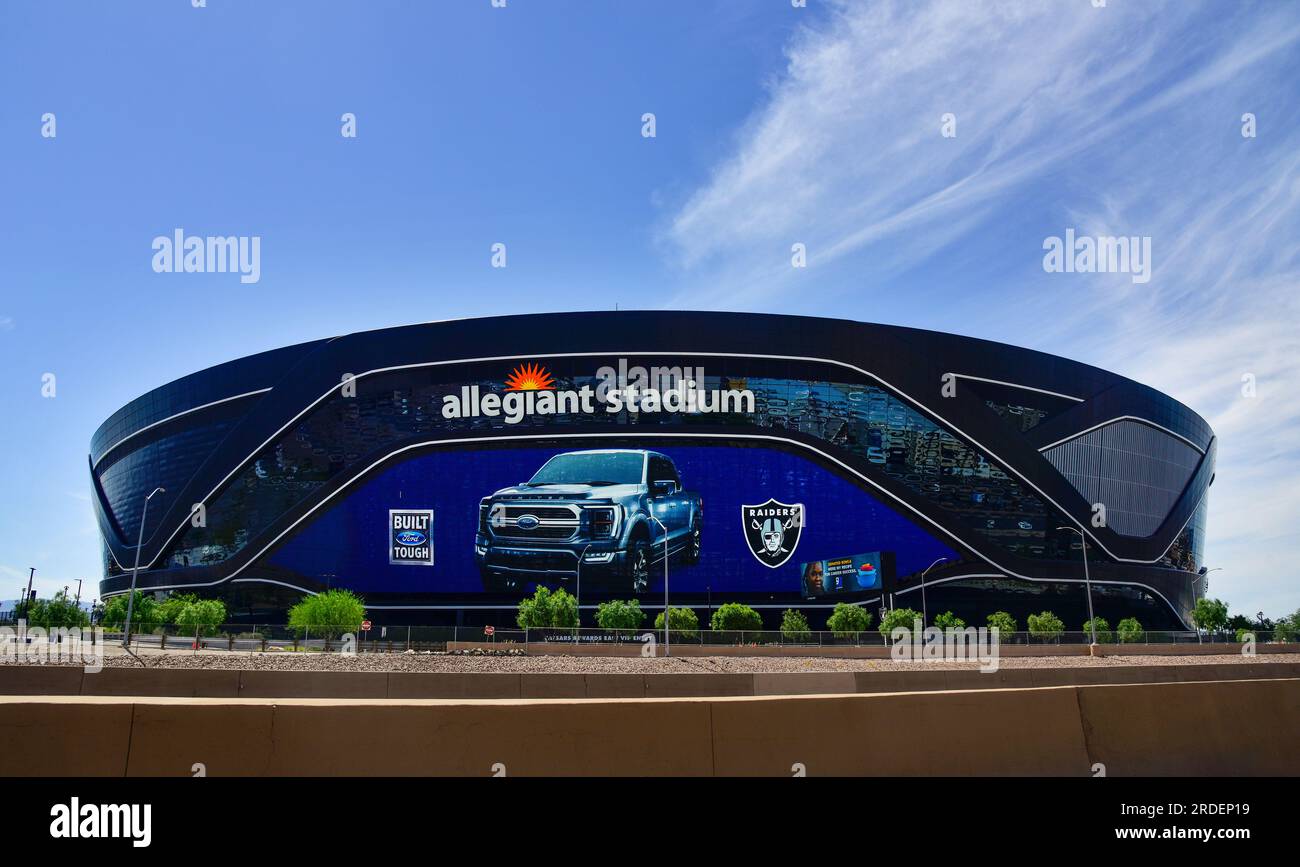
(772, 531)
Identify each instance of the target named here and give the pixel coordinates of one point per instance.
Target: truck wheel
(638, 564)
(692, 554)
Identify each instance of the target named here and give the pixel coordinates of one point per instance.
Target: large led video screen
(842, 575)
(735, 519)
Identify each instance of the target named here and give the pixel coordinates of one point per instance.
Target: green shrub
(905, 617)
(848, 621)
(794, 626)
(620, 615)
(736, 617)
(564, 610)
(1046, 625)
(61, 611)
(1242, 633)
(1104, 635)
(1129, 630)
(547, 608)
(948, 620)
(1004, 623)
(328, 615)
(683, 623)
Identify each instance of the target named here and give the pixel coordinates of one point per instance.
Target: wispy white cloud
(1122, 120)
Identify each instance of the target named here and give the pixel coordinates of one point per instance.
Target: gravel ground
(380, 662)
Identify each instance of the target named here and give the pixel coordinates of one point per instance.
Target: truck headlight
(603, 521)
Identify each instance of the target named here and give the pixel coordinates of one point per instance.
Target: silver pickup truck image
(604, 512)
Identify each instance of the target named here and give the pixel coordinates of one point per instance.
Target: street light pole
(577, 634)
(1204, 573)
(667, 646)
(925, 611)
(1083, 543)
(130, 599)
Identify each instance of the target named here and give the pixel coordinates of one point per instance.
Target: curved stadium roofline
(1093, 433)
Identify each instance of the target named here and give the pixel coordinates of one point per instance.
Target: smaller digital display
(841, 575)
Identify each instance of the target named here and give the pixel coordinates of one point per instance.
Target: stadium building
(443, 470)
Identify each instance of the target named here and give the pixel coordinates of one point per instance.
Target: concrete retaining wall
(219, 683)
(1217, 727)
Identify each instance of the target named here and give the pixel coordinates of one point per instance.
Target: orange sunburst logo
(529, 377)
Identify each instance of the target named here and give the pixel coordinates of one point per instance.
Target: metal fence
(399, 639)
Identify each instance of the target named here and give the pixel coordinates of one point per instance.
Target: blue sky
(775, 125)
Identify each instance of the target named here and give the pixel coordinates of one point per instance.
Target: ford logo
(411, 537)
(527, 522)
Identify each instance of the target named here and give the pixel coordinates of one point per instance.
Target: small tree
(564, 610)
(1129, 630)
(1287, 628)
(1004, 623)
(620, 615)
(848, 621)
(144, 613)
(948, 620)
(1104, 635)
(329, 614)
(1241, 621)
(1046, 626)
(202, 617)
(683, 623)
(548, 609)
(794, 626)
(23, 608)
(905, 617)
(169, 610)
(1210, 614)
(736, 618)
(60, 611)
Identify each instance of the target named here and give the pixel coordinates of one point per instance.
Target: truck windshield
(591, 468)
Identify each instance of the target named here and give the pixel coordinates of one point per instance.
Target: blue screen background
(347, 545)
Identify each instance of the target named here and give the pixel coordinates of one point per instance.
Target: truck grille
(540, 532)
(534, 521)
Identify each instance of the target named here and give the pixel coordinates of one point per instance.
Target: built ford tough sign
(605, 512)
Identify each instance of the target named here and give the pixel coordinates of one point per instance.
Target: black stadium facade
(444, 470)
